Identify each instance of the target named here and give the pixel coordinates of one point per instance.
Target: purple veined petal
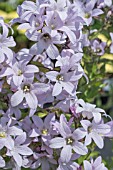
(57, 142)
(9, 42)
(97, 12)
(52, 51)
(79, 148)
(36, 164)
(38, 122)
(2, 56)
(64, 129)
(103, 128)
(34, 133)
(8, 53)
(36, 49)
(9, 142)
(108, 2)
(57, 89)
(68, 86)
(98, 161)
(2, 162)
(66, 154)
(85, 124)
(17, 80)
(31, 100)
(28, 5)
(2, 143)
(48, 119)
(33, 37)
(45, 164)
(20, 139)
(90, 5)
(79, 134)
(51, 75)
(17, 98)
(97, 139)
(24, 150)
(88, 140)
(24, 26)
(6, 71)
(14, 131)
(5, 32)
(87, 165)
(76, 57)
(17, 158)
(31, 69)
(69, 33)
(97, 117)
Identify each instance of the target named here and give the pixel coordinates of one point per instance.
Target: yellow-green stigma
(19, 72)
(87, 15)
(89, 129)
(2, 135)
(52, 26)
(46, 36)
(60, 77)
(69, 141)
(44, 131)
(26, 88)
(37, 24)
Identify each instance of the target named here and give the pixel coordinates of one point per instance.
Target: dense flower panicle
(44, 124)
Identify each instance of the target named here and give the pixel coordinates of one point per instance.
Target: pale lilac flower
(88, 11)
(28, 90)
(46, 41)
(18, 71)
(44, 160)
(63, 80)
(18, 149)
(43, 129)
(68, 142)
(94, 165)
(94, 131)
(89, 110)
(6, 133)
(97, 47)
(71, 165)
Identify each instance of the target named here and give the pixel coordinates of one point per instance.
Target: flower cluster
(40, 84)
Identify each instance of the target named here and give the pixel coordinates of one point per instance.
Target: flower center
(89, 129)
(69, 141)
(52, 26)
(19, 73)
(37, 24)
(2, 135)
(26, 88)
(87, 15)
(98, 50)
(60, 77)
(44, 131)
(46, 37)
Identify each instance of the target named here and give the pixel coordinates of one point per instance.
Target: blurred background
(99, 70)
